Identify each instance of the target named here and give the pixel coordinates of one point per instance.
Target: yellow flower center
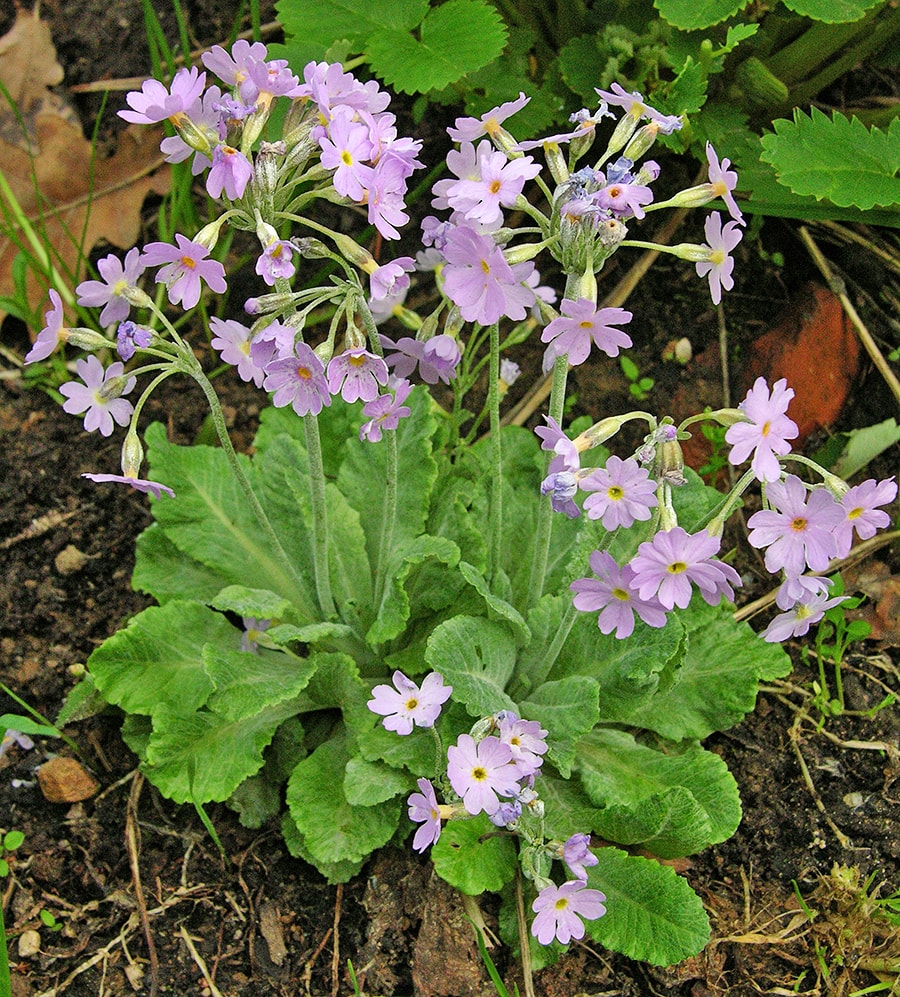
(799, 524)
(676, 567)
(479, 773)
(615, 492)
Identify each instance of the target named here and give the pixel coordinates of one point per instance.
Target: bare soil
(143, 900)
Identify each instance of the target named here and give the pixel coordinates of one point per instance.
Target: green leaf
(157, 660)
(864, 445)
(25, 725)
(320, 22)
(4, 868)
(257, 604)
(652, 914)
(211, 522)
(691, 14)
(836, 158)
(12, 840)
(204, 757)
(472, 857)
(394, 610)
(716, 683)
(477, 658)
(340, 871)
(367, 783)
(333, 829)
(166, 573)
(831, 11)
(456, 38)
(497, 607)
(673, 804)
(246, 684)
(568, 710)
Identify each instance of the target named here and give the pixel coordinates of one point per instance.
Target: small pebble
(64, 780)
(69, 560)
(29, 944)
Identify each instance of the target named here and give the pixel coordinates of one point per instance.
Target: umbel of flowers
(493, 770)
(311, 618)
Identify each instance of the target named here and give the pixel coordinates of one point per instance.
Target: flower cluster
(802, 529)
(492, 770)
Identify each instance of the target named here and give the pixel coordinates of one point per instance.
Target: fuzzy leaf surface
(472, 859)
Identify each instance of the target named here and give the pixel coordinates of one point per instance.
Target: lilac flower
(48, 338)
(580, 325)
(185, 266)
(497, 185)
(797, 621)
(232, 340)
(154, 102)
(801, 589)
(347, 150)
(577, 854)
(108, 292)
(555, 440)
(329, 86)
(799, 529)
(526, 740)
(275, 261)
(385, 412)
(231, 171)
(860, 505)
(479, 280)
(407, 704)
(719, 266)
(130, 338)
(11, 737)
(510, 372)
(481, 772)
(624, 200)
(560, 909)
(266, 80)
(154, 488)
(506, 814)
(562, 487)
(621, 493)
(299, 381)
(253, 629)
(634, 104)
(469, 129)
(391, 278)
(723, 181)
(100, 395)
(768, 431)
(232, 68)
(356, 374)
(436, 359)
(274, 342)
(384, 196)
(614, 593)
(666, 566)
(423, 806)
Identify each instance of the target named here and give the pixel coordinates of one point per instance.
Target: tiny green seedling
(639, 387)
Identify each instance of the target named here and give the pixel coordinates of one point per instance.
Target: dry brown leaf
(75, 200)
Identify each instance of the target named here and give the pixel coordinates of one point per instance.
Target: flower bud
(132, 454)
(642, 141)
(135, 296)
(556, 162)
(208, 236)
(85, 339)
(201, 138)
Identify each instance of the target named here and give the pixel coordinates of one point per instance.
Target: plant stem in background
(496, 530)
(320, 516)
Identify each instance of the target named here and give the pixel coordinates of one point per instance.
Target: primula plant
(388, 622)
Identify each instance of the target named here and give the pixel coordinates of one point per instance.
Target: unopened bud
(135, 296)
(201, 138)
(85, 339)
(132, 454)
(642, 141)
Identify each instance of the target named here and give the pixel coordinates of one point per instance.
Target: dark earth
(137, 895)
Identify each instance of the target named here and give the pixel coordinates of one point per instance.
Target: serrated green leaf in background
(166, 573)
(472, 857)
(691, 14)
(258, 604)
(831, 11)
(250, 683)
(652, 914)
(568, 710)
(456, 38)
(367, 783)
(836, 159)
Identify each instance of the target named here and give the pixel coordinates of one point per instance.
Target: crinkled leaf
(204, 756)
(716, 683)
(166, 573)
(258, 604)
(333, 829)
(836, 158)
(471, 858)
(285, 634)
(477, 658)
(652, 914)
(157, 660)
(456, 38)
(394, 611)
(339, 871)
(691, 14)
(414, 751)
(211, 522)
(673, 804)
(831, 11)
(247, 684)
(367, 783)
(568, 710)
(336, 685)
(497, 607)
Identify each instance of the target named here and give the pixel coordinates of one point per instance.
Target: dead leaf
(882, 611)
(75, 199)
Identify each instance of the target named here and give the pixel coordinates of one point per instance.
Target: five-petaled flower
(408, 704)
(560, 910)
(100, 397)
